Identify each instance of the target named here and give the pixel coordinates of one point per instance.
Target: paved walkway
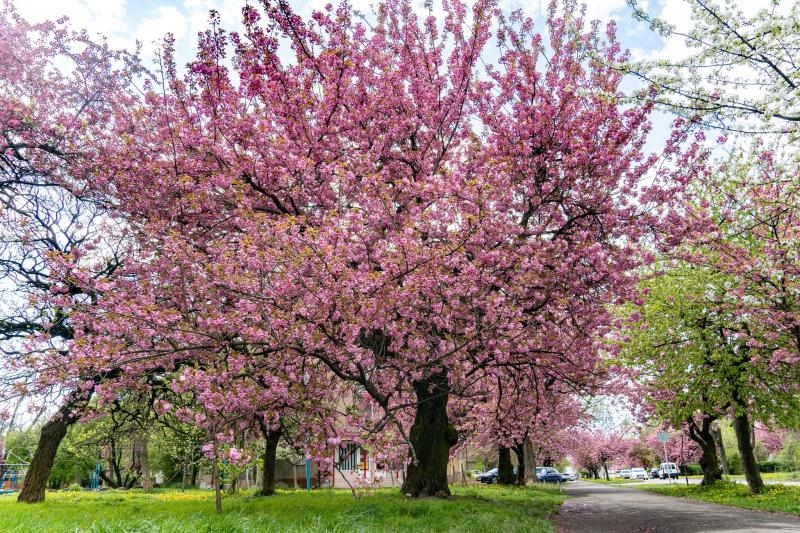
(596, 508)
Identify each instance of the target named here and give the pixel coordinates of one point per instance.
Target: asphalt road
(596, 508)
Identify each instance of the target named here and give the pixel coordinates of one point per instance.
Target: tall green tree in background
(720, 328)
(740, 72)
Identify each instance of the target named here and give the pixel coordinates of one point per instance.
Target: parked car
(490, 476)
(547, 474)
(655, 473)
(570, 474)
(639, 473)
(625, 474)
(669, 470)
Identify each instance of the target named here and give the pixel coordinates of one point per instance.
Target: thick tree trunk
(141, 462)
(709, 462)
(53, 433)
(431, 437)
(271, 439)
(505, 469)
(519, 451)
(530, 461)
(716, 432)
(741, 425)
(114, 477)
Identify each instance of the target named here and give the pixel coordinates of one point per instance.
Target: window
(349, 456)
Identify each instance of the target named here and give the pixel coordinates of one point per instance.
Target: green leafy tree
(740, 67)
(671, 341)
(687, 341)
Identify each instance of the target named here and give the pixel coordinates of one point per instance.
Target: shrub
(691, 470)
(734, 463)
(774, 466)
(74, 487)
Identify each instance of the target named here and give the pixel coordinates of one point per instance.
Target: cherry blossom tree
(56, 86)
(596, 450)
(529, 415)
(382, 208)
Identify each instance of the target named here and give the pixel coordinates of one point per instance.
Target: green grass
(775, 498)
(477, 508)
(773, 476)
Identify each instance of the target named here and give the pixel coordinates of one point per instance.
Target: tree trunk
(741, 425)
(141, 462)
(217, 488)
(271, 439)
(716, 432)
(53, 433)
(703, 436)
(505, 469)
(519, 451)
(530, 461)
(431, 438)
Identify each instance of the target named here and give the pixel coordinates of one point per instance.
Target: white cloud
(606, 10)
(230, 12)
(152, 29)
(97, 16)
(679, 14)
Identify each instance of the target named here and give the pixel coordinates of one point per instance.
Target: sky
(126, 21)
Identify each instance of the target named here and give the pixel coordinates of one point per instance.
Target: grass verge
(775, 498)
(773, 476)
(478, 508)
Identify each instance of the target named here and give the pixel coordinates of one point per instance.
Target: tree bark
(530, 460)
(431, 438)
(703, 436)
(505, 469)
(217, 488)
(271, 439)
(716, 432)
(741, 425)
(141, 462)
(519, 451)
(53, 432)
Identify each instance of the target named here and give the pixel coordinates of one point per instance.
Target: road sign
(663, 436)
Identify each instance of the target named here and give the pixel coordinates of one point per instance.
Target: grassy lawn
(773, 476)
(477, 508)
(775, 498)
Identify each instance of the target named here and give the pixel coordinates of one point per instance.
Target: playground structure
(12, 476)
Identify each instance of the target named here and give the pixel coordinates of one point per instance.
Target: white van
(669, 470)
